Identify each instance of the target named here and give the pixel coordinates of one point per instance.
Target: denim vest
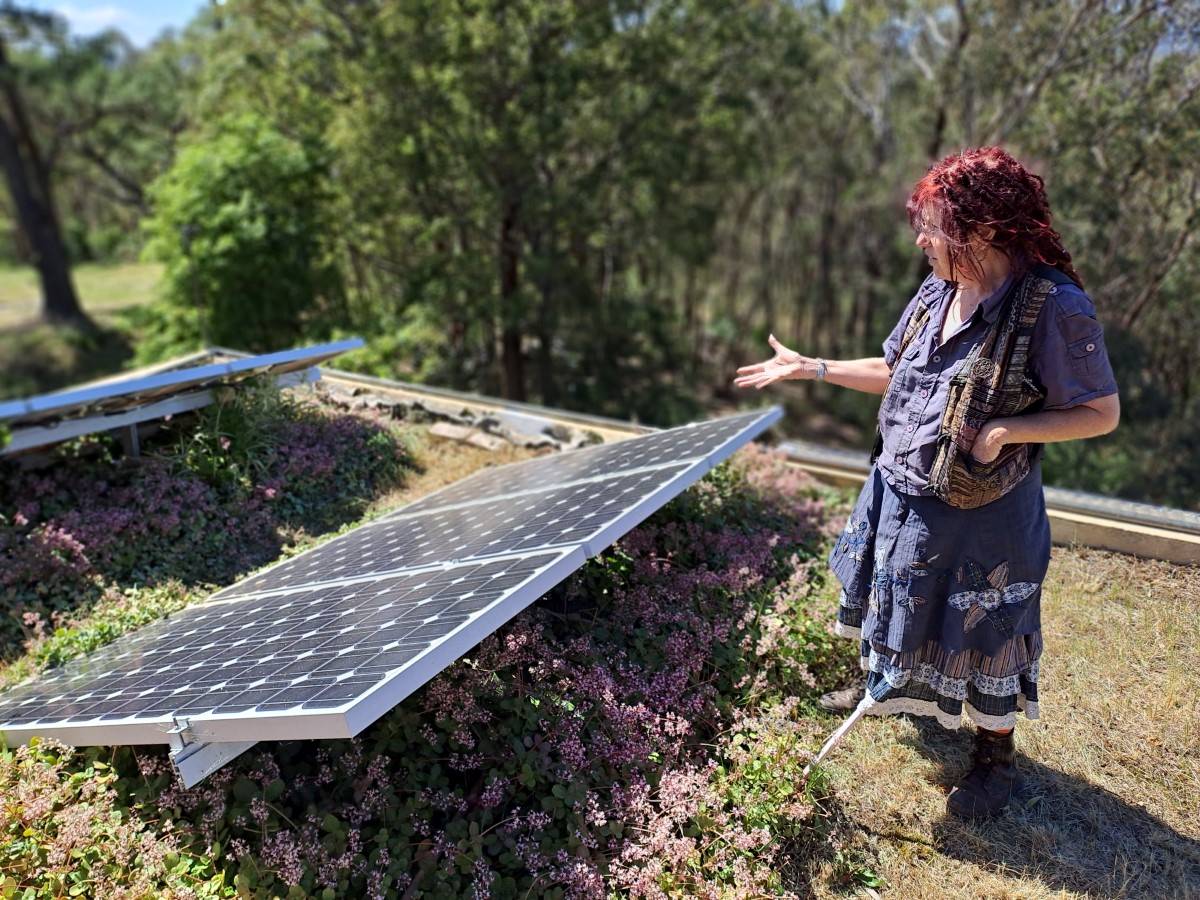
(992, 381)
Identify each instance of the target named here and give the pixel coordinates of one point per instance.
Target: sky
(140, 20)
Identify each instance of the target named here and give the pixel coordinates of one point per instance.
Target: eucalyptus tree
(538, 172)
(27, 168)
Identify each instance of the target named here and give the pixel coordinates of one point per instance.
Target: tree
(28, 178)
(239, 221)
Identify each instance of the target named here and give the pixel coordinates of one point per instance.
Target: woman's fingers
(758, 380)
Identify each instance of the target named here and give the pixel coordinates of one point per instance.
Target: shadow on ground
(1062, 830)
(37, 358)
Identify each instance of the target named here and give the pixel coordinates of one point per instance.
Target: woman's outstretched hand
(785, 364)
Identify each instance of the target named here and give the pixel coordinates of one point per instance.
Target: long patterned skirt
(946, 602)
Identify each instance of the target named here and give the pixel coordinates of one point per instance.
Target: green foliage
(238, 221)
(64, 833)
(235, 439)
(416, 348)
(608, 209)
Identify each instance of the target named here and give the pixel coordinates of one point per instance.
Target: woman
(942, 560)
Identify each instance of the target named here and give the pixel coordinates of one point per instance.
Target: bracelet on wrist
(821, 369)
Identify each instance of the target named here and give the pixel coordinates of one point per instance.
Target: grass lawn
(103, 289)
(35, 358)
(1111, 806)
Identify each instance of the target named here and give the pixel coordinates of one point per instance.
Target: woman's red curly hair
(966, 191)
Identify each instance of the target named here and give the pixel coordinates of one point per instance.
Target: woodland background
(602, 206)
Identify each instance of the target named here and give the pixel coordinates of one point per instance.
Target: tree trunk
(510, 342)
(29, 183)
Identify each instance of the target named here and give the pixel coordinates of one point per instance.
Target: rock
(452, 432)
(486, 441)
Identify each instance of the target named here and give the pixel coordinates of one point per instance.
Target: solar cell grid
(303, 649)
(534, 520)
(668, 447)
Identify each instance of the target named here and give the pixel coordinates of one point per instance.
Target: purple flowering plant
(639, 729)
(213, 496)
(636, 729)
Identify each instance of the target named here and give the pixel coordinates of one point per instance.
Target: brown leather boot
(844, 700)
(985, 791)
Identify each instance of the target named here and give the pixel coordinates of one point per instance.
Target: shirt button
(1054, 290)
(908, 428)
(1090, 347)
(937, 359)
(924, 393)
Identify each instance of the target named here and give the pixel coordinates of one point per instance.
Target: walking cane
(836, 737)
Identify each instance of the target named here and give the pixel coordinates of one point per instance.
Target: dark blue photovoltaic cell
(670, 446)
(312, 648)
(527, 522)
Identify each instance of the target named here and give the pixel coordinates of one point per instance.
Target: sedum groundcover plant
(213, 496)
(637, 732)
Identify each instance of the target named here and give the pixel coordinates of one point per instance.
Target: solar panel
(113, 395)
(658, 448)
(532, 521)
(121, 402)
(324, 643)
(319, 653)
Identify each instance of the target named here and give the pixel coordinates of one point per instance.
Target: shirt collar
(990, 305)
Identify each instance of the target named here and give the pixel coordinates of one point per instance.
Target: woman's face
(932, 240)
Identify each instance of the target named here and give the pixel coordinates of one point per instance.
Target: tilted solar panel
(318, 654)
(673, 445)
(324, 643)
(119, 394)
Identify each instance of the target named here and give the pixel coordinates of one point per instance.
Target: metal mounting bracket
(193, 759)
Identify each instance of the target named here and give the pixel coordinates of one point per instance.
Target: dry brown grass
(439, 462)
(1111, 805)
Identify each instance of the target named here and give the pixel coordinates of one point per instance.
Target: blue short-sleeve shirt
(1067, 358)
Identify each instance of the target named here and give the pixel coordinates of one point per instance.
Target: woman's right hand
(785, 364)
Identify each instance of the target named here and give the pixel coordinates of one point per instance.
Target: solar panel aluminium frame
(239, 730)
(147, 388)
(31, 437)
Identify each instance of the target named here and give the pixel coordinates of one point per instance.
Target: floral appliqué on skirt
(945, 602)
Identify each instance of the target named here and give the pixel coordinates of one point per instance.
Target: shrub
(238, 221)
(64, 833)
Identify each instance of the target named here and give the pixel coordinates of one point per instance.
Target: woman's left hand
(989, 441)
